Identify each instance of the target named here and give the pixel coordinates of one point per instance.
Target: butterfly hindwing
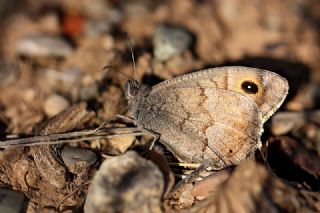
(204, 123)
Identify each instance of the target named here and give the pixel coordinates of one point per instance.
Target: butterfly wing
(203, 123)
(268, 89)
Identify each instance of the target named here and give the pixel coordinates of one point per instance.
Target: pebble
(88, 92)
(119, 145)
(308, 97)
(42, 45)
(71, 75)
(55, 104)
(78, 159)
(127, 183)
(96, 27)
(170, 41)
(11, 201)
(284, 122)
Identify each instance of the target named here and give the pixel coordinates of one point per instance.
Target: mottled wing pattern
(272, 88)
(203, 123)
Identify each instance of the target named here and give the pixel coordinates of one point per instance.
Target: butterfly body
(213, 116)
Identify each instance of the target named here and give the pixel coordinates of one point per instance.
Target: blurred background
(55, 50)
(53, 54)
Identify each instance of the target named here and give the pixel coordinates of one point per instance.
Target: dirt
(92, 65)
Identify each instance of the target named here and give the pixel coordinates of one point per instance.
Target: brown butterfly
(213, 117)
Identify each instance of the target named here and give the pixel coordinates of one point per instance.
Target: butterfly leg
(191, 177)
(126, 118)
(156, 136)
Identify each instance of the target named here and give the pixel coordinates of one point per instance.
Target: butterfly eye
(133, 91)
(132, 88)
(249, 87)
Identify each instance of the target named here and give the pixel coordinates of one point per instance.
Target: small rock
(71, 75)
(284, 122)
(99, 26)
(11, 201)
(119, 145)
(40, 45)
(126, 183)
(78, 159)
(55, 104)
(169, 42)
(88, 92)
(96, 27)
(308, 97)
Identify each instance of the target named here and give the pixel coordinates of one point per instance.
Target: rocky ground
(63, 68)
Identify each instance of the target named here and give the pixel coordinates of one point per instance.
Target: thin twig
(76, 136)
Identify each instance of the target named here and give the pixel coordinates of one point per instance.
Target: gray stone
(126, 183)
(78, 159)
(169, 42)
(41, 45)
(11, 201)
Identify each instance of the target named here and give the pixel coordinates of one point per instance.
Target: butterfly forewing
(270, 88)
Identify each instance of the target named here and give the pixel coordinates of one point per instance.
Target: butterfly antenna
(128, 76)
(107, 67)
(132, 56)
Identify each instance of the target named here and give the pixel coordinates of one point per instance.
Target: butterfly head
(132, 89)
(135, 93)
(135, 90)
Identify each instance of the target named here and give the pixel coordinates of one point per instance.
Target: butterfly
(213, 117)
